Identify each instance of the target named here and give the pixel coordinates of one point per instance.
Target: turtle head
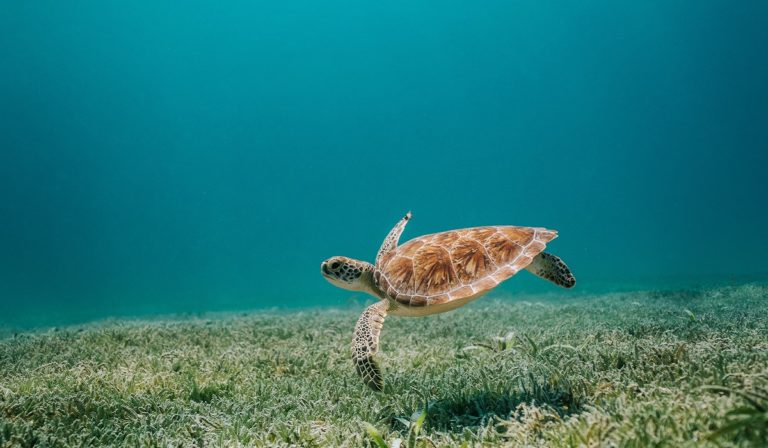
(346, 273)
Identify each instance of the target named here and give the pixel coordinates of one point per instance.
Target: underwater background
(160, 157)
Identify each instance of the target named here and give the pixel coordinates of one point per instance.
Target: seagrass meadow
(646, 368)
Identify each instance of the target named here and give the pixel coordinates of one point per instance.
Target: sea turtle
(437, 273)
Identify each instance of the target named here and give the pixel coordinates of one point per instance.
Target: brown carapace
(436, 269)
(437, 273)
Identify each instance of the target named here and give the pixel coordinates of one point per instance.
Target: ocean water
(167, 157)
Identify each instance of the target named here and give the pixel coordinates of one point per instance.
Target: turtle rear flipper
(552, 268)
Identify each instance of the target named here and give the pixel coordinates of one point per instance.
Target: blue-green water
(183, 157)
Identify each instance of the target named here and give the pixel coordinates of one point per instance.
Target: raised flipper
(365, 344)
(390, 242)
(552, 268)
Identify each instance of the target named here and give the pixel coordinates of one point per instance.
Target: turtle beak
(324, 269)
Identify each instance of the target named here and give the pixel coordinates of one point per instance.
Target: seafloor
(675, 368)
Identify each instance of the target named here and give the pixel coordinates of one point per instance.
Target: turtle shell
(442, 267)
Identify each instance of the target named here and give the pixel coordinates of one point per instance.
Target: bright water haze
(160, 157)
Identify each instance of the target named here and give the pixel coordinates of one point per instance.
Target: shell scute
(485, 283)
(446, 239)
(479, 233)
(506, 271)
(535, 247)
(545, 235)
(400, 274)
(438, 299)
(433, 270)
(520, 235)
(502, 249)
(470, 260)
(464, 291)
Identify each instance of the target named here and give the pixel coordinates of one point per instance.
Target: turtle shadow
(459, 411)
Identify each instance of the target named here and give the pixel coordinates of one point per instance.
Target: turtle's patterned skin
(366, 343)
(437, 273)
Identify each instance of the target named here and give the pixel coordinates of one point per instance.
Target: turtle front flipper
(390, 242)
(366, 344)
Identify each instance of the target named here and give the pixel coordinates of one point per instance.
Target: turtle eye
(335, 265)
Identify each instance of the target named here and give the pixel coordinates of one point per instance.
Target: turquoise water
(165, 158)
